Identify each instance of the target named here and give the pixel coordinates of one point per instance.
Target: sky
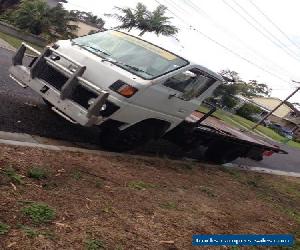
(259, 39)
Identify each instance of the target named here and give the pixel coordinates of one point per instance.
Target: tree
(60, 23)
(236, 86)
(6, 4)
(248, 111)
(145, 20)
(36, 17)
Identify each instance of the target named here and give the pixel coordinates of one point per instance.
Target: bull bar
(61, 99)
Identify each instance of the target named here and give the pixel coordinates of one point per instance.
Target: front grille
(82, 96)
(52, 76)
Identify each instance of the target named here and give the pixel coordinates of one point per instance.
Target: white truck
(132, 89)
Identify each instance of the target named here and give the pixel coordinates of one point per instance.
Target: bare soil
(128, 202)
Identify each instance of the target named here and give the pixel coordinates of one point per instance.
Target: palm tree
(126, 17)
(159, 23)
(145, 20)
(38, 18)
(33, 16)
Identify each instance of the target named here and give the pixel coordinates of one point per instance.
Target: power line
(230, 34)
(277, 42)
(274, 24)
(226, 48)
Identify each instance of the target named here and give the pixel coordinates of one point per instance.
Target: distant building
(287, 115)
(84, 28)
(53, 3)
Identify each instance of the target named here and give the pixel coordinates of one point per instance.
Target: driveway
(23, 111)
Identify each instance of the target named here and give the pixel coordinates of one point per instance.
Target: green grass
(33, 233)
(94, 244)
(3, 228)
(16, 42)
(140, 185)
(13, 176)
(243, 123)
(37, 173)
(39, 213)
(77, 175)
(170, 205)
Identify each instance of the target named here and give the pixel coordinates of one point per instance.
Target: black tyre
(128, 139)
(47, 103)
(221, 154)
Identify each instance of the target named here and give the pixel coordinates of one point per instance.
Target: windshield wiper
(125, 65)
(135, 68)
(91, 47)
(96, 49)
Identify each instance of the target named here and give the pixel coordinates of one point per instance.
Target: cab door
(177, 96)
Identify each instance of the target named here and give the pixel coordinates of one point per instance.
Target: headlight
(123, 89)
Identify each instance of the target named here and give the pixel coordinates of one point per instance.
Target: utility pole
(277, 107)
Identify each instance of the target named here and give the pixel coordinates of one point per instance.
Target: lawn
(16, 42)
(242, 123)
(69, 200)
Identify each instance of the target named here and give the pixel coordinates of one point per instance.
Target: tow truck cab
(132, 89)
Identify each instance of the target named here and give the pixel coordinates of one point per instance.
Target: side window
(191, 83)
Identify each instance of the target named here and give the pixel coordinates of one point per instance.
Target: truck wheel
(47, 103)
(127, 139)
(221, 154)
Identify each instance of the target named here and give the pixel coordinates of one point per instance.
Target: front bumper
(73, 97)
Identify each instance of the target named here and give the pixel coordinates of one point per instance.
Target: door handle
(172, 95)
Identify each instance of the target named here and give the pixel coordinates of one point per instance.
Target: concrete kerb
(261, 170)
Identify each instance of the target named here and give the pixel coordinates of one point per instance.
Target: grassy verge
(144, 203)
(242, 123)
(16, 42)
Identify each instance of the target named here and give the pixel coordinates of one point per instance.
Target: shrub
(39, 213)
(3, 228)
(37, 173)
(13, 176)
(94, 244)
(248, 110)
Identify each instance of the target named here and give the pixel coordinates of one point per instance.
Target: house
(286, 115)
(84, 28)
(53, 3)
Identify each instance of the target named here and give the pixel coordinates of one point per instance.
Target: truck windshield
(135, 55)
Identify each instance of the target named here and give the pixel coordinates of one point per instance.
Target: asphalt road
(22, 111)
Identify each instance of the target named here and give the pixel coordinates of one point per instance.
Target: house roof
(53, 3)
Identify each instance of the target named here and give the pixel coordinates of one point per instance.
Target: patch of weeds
(13, 176)
(49, 185)
(77, 175)
(252, 183)
(30, 232)
(107, 209)
(48, 234)
(3, 228)
(39, 213)
(33, 233)
(119, 247)
(292, 213)
(37, 173)
(233, 172)
(208, 191)
(169, 205)
(94, 244)
(140, 185)
(99, 183)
